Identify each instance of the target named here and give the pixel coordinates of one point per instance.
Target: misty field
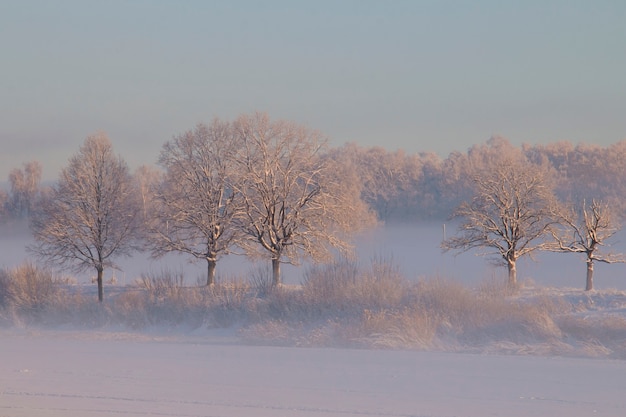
(367, 342)
(401, 293)
(399, 333)
(344, 304)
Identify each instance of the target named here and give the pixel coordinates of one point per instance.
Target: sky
(423, 76)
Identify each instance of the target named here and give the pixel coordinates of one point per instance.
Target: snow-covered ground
(84, 373)
(71, 370)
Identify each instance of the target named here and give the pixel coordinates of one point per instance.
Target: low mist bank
(343, 304)
(412, 247)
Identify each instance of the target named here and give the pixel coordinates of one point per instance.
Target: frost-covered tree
(586, 230)
(24, 188)
(390, 181)
(396, 185)
(509, 215)
(90, 216)
(196, 204)
(586, 171)
(296, 202)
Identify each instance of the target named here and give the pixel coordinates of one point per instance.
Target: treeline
(24, 187)
(252, 186)
(275, 190)
(401, 186)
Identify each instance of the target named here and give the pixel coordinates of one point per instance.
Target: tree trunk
(275, 272)
(100, 289)
(512, 273)
(589, 286)
(210, 276)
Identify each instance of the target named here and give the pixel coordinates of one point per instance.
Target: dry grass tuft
(342, 304)
(598, 336)
(409, 328)
(344, 286)
(27, 292)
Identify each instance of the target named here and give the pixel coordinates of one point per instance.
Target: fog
(91, 369)
(412, 247)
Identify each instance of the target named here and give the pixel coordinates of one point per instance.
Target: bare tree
(296, 204)
(584, 231)
(196, 204)
(509, 215)
(90, 215)
(24, 188)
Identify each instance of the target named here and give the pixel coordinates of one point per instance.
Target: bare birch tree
(89, 216)
(509, 215)
(196, 204)
(585, 231)
(295, 202)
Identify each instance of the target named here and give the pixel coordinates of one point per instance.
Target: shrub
(229, 301)
(456, 305)
(261, 281)
(343, 286)
(30, 288)
(164, 299)
(408, 328)
(159, 286)
(605, 336)
(32, 294)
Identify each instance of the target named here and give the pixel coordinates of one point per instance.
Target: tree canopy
(295, 202)
(197, 202)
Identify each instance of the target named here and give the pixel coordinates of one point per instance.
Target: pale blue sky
(419, 75)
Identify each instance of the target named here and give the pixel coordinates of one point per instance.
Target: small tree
(296, 204)
(195, 204)
(584, 231)
(509, 215)
(90, 215)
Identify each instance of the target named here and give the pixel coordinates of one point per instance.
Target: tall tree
(296, 204)
(585, 231)
(89, 217)
(509, 215)
(195, 205)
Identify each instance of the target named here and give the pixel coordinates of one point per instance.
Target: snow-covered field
(565, 360)
(83, 373)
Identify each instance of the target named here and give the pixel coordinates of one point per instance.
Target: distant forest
(401, 186)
